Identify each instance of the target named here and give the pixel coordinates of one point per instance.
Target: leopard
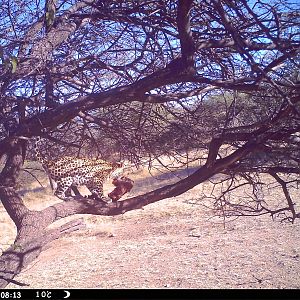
(69, 171)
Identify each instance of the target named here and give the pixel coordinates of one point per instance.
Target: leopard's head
(119, 168)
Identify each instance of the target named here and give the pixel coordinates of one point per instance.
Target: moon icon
(68, 294)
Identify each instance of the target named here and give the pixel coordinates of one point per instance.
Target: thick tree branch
(185, 33)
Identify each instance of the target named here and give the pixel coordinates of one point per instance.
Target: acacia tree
(141, 79)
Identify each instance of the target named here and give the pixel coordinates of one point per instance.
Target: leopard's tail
(37, 151)
(42, 159)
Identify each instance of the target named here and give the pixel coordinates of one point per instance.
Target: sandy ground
(169, 244)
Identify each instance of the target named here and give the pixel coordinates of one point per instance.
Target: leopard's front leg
(96, 188)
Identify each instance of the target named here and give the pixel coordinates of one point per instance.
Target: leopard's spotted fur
(67, 171)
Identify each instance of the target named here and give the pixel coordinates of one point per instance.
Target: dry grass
(173, 243)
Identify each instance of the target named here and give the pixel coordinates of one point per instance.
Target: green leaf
(50, 15)
(14, 64)
(17, 247)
